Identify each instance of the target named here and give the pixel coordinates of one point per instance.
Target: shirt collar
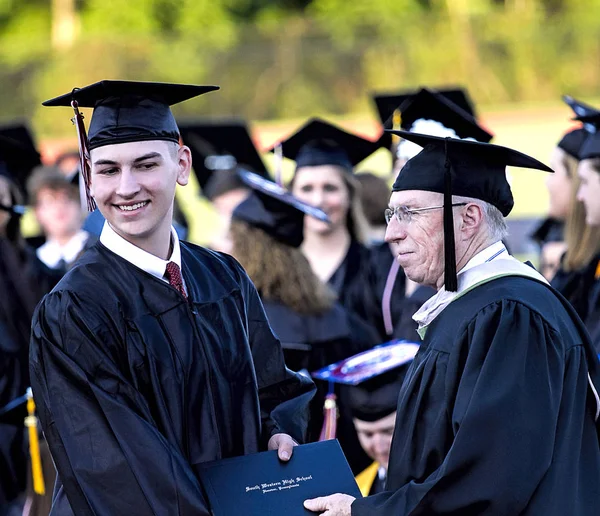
(492, 262)
(137, 256)
(51, 252)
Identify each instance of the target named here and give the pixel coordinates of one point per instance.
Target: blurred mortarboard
(387, 103)
(373, 378)
(549, 230)
(319, 143)
(591, 122)
(272, 209)
(130, 111)
(217, 148)
(429, 105)
(466, 168)
(572, 142)
(17, 159)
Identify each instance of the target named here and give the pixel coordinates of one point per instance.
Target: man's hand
(284, 445)
(334, 505)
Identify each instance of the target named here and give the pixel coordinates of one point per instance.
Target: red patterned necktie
(173, 276)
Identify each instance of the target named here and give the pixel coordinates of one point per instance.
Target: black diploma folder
(262, 485)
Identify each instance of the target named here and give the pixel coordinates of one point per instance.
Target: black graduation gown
(23, 282)
(496, 415)
(350, 278)
(311, 342)
(136, 387)
(592, 321)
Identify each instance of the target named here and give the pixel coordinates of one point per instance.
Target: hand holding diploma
(284, 445)
(333, 505)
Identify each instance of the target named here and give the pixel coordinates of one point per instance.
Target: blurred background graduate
(24, 279)
(266, 232)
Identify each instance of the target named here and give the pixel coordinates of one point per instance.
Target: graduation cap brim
(316, 130)
(273, 190)
(581, 109)
(369, 364)
(166, 93)
(387, 102)
(482, 152)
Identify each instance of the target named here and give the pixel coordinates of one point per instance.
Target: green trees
(292, 58)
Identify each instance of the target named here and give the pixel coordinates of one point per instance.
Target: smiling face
(419, 244)
(134, 187)
(325, 188)
(376, 437)
(589, 189)
(559, 185)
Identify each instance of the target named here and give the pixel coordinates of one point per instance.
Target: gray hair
(494, 220)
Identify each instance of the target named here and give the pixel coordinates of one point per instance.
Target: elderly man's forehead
(419, 198)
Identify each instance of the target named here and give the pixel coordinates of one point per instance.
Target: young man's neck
(160, 245)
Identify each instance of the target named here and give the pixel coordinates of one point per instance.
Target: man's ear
(184, 164)
(471, 220)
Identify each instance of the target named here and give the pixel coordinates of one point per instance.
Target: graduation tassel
(450, 279)
(31, 422)
(330, 413)
(396, 124)
(84, 154)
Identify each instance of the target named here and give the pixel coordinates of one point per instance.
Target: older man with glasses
(498, 414)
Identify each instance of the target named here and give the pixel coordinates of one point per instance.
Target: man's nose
(394, 231)
(128, 184)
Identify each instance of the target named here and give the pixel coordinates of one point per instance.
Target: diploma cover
(262, 485)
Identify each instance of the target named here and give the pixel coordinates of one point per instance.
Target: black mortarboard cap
(218, 147)
(572, 142)
(549, 230)
(461, 167)
(17, 157)
(130, 111)
(272, 209)
(591, 145)
(387, 103)
(429, 105)
(320, 143)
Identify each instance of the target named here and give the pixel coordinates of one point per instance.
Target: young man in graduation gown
(498, 413)
(152, 355)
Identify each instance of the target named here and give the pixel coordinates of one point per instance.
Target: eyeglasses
(404, 214)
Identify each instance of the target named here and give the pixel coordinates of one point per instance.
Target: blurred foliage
(296, 58)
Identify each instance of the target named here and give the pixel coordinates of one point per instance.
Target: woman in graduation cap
(23, 282)
(499, 411)
(152, 356)
(266, 233)
(325, 157)
(588, 193)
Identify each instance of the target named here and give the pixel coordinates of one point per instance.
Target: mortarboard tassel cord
(31, 422)
(396, 124)
(330, 412)
(84, 153)
(450, 279)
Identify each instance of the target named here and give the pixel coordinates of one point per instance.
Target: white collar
(51, 252)
(492, 262)
(137, 256)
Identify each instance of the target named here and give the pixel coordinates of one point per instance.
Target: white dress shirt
(51, 252)
(138, 257)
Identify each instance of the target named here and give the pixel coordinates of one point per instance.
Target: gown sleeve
(507, 365)
(283, 394)
(109, 454)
